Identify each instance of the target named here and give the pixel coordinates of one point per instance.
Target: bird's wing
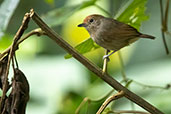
(119, 31)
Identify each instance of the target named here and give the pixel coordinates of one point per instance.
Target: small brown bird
(110, 33)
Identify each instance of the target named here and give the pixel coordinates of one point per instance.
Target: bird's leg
(104, 57)
(107, 56)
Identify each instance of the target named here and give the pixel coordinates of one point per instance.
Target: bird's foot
(106, 57)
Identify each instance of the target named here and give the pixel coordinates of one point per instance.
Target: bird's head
(91, 22)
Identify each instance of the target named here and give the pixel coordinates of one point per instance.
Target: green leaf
(133, 14)
(5, 41)
(7, 8)
(128, 83)
(107, 110)
(84, 47)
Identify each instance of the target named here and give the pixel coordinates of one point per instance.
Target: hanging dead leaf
(3, 67)
(19, 95)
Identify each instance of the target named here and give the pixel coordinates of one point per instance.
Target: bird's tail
(147, 36)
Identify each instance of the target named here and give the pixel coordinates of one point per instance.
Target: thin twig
(151, 86)
(86, 99)
(15, 59)
(162, 29)
(165, 20)
(106, 77)
(13, 65)
(165, 44)
(11, 50)
(37, 32)
(18, 35)
(128, 111)
(122, 67)
(108, 100)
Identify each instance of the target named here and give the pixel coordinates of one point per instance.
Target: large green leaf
(84, 47)
(7, 8)
(133, 14)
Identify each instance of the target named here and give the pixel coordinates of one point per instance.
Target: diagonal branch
(104, 76)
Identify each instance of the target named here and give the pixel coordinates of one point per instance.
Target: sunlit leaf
(133, 14)
(7, 8)
(5, 41)
(128, 83)
(84, 47)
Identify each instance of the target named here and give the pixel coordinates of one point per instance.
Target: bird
(110, 33)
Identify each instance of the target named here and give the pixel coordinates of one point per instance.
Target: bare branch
(86, 99)
(18, 35)
(37, 32)
(108, 100)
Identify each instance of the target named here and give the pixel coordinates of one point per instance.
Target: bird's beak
(82, 25)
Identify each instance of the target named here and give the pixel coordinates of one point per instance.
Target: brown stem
(37, 31)
(18, 35)
(162, 29)
(151, 86)
(107, 78)
(86, 99)
(108, 100)
(11, 50)
(164, 41)
(165, 21)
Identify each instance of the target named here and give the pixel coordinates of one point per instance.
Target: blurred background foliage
(58, 85)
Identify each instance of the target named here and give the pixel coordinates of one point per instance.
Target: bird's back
(115, 34)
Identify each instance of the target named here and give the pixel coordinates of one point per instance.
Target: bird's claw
(106, 57)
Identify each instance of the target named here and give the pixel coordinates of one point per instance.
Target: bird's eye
(91, 20)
